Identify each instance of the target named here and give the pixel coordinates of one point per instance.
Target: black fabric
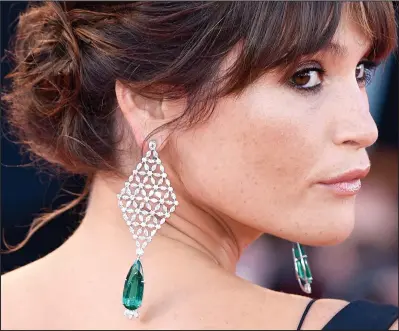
(363, 315)
(305, 313)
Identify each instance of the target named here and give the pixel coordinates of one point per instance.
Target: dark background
(28, 190)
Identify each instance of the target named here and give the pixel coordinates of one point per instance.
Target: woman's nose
(355, 125)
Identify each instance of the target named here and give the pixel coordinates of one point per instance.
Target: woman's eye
(364, 72)
(307, 79)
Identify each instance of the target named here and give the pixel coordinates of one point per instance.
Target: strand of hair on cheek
(43, 219)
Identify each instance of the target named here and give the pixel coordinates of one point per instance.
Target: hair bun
(46, 83)
(58, 40)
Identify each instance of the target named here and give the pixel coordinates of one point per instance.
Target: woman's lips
(347, 184)
(347, 188)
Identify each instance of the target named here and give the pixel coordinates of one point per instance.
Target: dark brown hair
(68, 57)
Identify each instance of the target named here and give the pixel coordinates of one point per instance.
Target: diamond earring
(147, 201)
(302, 270)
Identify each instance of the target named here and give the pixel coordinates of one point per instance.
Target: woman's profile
(200, 126)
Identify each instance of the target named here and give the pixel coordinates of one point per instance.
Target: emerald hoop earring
(302, 269)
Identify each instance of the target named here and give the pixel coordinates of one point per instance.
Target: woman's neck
(189, 230)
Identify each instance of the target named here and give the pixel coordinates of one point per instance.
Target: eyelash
(369, 69)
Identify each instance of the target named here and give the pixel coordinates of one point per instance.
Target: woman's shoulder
(299, 312)
(22, 297)
(365, 315)
(262, 308)
(395, 325)
(317, 313)
(27, 299)
(331, 314)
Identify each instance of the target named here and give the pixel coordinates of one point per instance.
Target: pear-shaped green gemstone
(134, 287)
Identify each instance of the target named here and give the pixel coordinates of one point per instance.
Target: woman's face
(262, 157)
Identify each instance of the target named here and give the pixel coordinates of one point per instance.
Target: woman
(200, 126)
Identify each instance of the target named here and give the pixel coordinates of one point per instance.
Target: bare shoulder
(262, 308)
(394, 326)
(10, 297)
(20, 290)
(321, 312)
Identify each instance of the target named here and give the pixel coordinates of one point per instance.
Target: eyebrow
(340, 50)
(336, 49)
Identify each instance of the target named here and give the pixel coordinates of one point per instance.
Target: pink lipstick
(346, 184)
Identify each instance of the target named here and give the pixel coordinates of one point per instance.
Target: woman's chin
(333, 230)
(329, 240)
(331, 226)
(333, 235)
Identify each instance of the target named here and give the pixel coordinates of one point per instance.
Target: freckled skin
(250, 169)
(258, 158)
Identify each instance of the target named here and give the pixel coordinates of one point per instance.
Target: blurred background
(363, 267)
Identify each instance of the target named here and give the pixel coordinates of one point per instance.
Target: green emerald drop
(298, 251)
(303, 273)
(134, 287)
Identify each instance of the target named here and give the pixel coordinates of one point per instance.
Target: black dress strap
(305, 312)
(363, 315)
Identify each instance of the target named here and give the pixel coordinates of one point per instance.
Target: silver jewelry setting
(305, 281)
(147, 201)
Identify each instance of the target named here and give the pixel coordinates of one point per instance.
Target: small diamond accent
(131, 313)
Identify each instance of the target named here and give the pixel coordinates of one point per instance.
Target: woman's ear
(144, 115)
